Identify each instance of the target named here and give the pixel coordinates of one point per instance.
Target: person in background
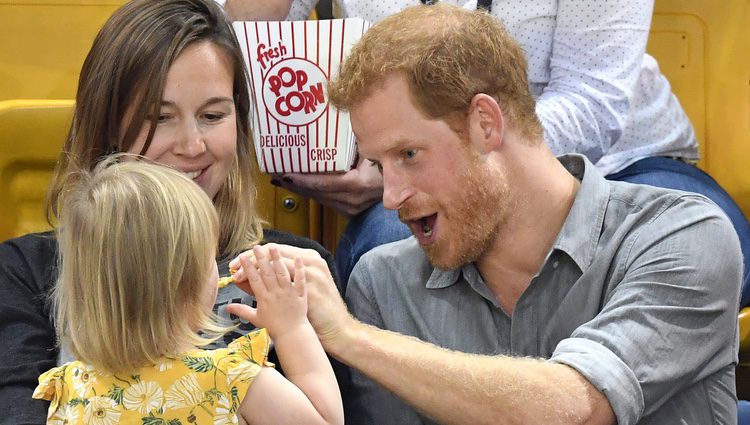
(597, 92)
(138, 281)
(534, 290)
(165, 80)
(256, 10)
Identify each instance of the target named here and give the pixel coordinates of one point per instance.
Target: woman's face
(196, 131)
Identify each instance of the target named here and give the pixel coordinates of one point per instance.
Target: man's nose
(396, 190)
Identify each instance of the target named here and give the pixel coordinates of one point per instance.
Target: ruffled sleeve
(50, 388)
(246, 356)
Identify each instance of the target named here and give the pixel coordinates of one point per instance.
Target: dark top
(27, 334)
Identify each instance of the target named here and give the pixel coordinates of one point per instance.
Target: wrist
(292, 333)
(343, 340)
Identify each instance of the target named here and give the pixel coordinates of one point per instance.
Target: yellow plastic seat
(43, 44)
(32, 133)
(702, 47)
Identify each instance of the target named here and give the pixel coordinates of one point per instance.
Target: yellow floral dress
(198, 387)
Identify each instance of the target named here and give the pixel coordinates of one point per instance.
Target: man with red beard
(534, 290)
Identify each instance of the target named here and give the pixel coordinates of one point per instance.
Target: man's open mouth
(423, 228)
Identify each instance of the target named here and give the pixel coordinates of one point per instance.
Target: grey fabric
(638, 294)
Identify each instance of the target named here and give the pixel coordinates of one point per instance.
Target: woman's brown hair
(126, 70)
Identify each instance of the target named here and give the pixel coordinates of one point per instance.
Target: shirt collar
(444, 278)
(582, 229)
(579, 234)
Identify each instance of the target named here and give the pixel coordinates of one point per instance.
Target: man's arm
(448, 386)
(454, 387)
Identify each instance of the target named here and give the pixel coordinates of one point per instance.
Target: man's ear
(486, 123)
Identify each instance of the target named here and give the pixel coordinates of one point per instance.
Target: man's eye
(410, 153)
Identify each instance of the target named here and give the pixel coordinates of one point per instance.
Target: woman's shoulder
(276, 236)
(280, 237)
(31, 244)
(32, 256)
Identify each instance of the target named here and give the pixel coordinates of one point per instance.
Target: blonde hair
(127, 67)
(137, 246)
(448, 55)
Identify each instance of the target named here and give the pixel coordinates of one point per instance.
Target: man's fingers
(282, 274)
(300, 279)
(263, 262)
(310, 257)
(245, 286)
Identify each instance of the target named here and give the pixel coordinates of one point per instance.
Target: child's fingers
(282, 274)
(246, 312)
(300, 280)
(256, 282)
(265, 268)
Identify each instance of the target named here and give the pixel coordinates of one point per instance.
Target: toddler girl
(133, 304)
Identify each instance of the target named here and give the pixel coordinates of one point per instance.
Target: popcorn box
(294, 128)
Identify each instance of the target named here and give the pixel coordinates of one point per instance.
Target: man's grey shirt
(639, 293)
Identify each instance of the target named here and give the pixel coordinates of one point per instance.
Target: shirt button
(555, 264)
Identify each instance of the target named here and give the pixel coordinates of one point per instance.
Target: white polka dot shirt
(598, 93)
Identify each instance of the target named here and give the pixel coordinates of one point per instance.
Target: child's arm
(311, 394)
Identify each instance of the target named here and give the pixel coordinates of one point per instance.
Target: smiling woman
(165, 80)
(196, 130)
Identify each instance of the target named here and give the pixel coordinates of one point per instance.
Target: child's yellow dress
(199, 387)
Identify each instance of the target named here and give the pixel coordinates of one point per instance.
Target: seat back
(43, 44)
(32, 133)
(702, 47)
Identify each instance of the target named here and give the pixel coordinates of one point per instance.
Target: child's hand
(282, 303)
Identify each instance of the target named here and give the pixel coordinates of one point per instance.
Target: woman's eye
(213, 116)
(163, 118)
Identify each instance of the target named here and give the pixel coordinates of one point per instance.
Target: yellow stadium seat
(702, 47)
(32, 133)
(43, 44)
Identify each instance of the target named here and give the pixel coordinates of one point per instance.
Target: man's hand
(326, 310)
(349, 194)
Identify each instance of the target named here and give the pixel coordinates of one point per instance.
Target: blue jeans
(743, 412)
(374, 227)
(674, 174)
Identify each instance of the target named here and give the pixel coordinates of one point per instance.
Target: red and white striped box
(294, 128)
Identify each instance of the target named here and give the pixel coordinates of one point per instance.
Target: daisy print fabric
(198, 387)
